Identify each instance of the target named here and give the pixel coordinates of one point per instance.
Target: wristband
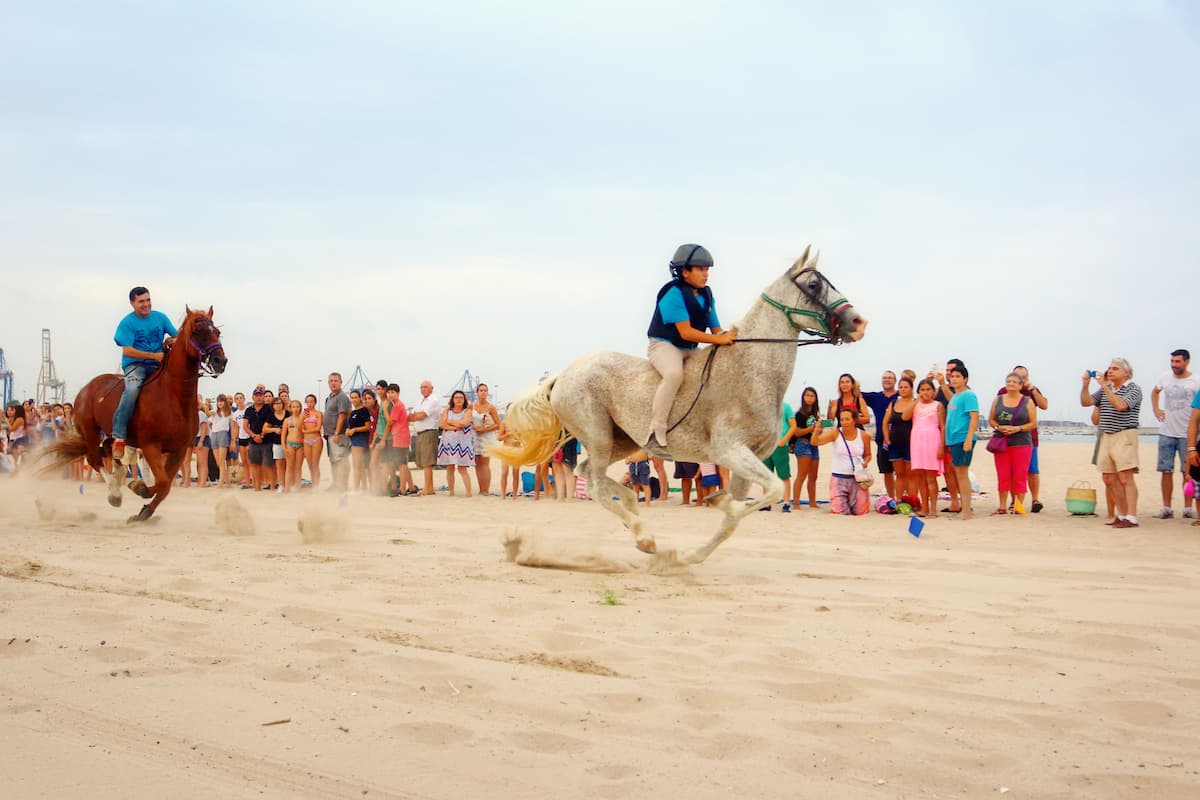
(1191, 449)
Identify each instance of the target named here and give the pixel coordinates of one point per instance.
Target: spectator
(710, 482)
(506, 470)
(927, 444)
(686, 473)
(487, 425)
(370, 402)
(849, 396)
(262, 462)
(944, 394)
(1039, 400)
(564, 467)
(312, 422)
(1193, 440)
(293, 447)
(639, 475)
(456, 447)
(851, 454)
(14, 415)
(396, 458)
(273, 435)
(381, 441)
(71, 428)
(962, 422)
(1120, 401)
(424, 418)
(358, 428)
(808, 456)
(220, 426)
(896, 430)
(241, 434)
(1013, 417)
(203, 442)
(780, 461)
(879, 403)
(337, 409)
(1177, 387)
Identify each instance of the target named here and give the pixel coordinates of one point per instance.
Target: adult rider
(140, 336)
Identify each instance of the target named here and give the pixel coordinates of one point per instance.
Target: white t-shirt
(238, 417)
(431, 406)
(1175, 398)
(218, 423)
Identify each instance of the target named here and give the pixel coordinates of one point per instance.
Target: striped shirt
(1113, 421)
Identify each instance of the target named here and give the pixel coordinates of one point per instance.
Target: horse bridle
(826, 320)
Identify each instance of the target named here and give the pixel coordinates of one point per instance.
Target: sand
(391, 649)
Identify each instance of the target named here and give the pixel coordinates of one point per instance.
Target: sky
(423, 189)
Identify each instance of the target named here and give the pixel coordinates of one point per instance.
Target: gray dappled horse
(727, 410)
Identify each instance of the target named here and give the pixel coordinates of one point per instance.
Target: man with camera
(1120, 401)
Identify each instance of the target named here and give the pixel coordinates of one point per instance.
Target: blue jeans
(135, 375)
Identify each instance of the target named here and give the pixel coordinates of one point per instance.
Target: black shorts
(686, 470)
(882, 460)
(243, 442)
(570, 451)
(261, 455)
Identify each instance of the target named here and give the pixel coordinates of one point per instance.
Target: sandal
(999, 512)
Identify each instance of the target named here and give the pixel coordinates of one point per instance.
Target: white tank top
(843, 451)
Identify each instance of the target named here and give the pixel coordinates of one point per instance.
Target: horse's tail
(61, 452)
(535, 426)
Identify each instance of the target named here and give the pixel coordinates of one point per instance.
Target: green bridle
(803, 319)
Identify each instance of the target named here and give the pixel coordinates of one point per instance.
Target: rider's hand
(726, 338)
(157, 357)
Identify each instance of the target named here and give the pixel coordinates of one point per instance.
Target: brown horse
(163, 425)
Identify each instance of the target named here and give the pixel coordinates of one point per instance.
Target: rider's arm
(690, 334)
(133, 352)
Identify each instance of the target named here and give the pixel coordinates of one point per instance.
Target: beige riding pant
(668, 360)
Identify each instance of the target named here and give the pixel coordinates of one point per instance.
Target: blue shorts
(805, 449)
(1170, 447)
(1033, 465)
(639, 473)
(711, 481)
(960, 457)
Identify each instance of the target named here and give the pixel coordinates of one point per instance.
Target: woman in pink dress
(926, 444)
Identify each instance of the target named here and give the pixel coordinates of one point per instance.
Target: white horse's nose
(853, 325)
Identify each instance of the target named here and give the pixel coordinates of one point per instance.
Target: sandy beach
(391, 650)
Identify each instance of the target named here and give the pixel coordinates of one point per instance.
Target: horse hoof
(139, 488)
(647, 546)
(115, 502)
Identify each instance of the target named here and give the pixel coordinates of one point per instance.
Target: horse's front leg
(114, 478)
(746, 468)
(163, 470)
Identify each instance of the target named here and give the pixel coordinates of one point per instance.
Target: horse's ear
(801, 262)
(210, 312)
(815, 259)
(187, 311)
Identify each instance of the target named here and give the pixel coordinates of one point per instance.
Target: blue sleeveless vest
(697, 314)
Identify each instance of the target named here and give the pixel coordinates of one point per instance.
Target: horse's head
(819, 309)
(204, 338)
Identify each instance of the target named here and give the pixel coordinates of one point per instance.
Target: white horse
(727, 410)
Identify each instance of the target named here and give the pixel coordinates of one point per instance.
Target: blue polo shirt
(673, 309)
(143, 333)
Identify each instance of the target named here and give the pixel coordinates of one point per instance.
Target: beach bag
(885, 505)
(1081, 498)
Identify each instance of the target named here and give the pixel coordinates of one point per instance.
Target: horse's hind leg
(746, 468)
(601, 488)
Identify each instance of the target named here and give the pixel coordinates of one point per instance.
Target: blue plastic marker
(915, 526)
(81, 488)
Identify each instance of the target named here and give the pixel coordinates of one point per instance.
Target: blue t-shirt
(143, 333)
(673, 309)
(958, 415)
(879, 402)
(1196, 401)
(787, 420)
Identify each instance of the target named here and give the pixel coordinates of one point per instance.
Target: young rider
(140, 336)
(684, 312)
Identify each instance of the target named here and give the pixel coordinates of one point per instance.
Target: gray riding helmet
(690, 255)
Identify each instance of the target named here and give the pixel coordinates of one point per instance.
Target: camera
(1093, 373)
